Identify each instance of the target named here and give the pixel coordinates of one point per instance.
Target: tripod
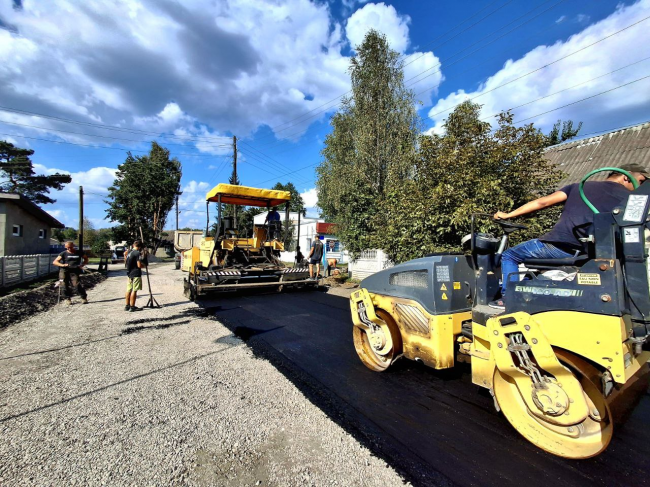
(152, 303)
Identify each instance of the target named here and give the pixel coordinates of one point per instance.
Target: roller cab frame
(565, 362)
(227, 262)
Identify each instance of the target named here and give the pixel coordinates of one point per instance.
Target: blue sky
(81, 83)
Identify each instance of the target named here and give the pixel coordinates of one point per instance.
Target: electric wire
(542, 67)
(440, 63)
(584, 99)
(566, 89)
(92, 146)
(483, 39)
(276, 127)
(48, 129)
(111, 127)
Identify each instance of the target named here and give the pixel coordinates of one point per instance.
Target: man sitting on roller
(563, 240)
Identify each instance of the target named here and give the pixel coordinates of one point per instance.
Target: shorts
(134, 284)
(314, 261)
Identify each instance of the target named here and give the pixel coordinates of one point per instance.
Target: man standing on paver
(315, 256)
(135, 262)
(72, 263)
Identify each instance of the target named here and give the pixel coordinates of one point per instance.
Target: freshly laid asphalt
(435, 428)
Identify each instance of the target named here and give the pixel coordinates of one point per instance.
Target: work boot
(84, 300)
(135, 308)
(127, 307)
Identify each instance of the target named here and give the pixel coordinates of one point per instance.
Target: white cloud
(612, 109)
(60, 215)
(583, 19)
(23, 143)
(191, 204)
(422, 70)
(310, 197)
(383, 18)
(232, 66)
(561, 19)
(95, 182)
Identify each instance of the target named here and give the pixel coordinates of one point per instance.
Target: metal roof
(30, 207)
(577, 158)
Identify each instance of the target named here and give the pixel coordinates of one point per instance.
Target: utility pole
(81, 219)
(177, 212)
(234, 173)
(234, 163)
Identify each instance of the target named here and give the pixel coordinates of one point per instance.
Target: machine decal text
(589, 279)
(442, 273)
(635, 206)
(564, 293)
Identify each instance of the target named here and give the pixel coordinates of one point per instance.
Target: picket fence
(369, 262)
(15, 269)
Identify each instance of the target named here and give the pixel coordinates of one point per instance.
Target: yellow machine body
(571, 348)
(228, 261)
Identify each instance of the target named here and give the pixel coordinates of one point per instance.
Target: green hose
(635, 183)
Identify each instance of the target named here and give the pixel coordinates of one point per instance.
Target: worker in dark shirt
(315, 256)
(273, 220)
(71, 262)
(135, 262)
(563, 240)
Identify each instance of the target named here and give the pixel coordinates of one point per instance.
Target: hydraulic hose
(635, 183)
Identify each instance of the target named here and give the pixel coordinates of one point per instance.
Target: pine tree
(17, 171)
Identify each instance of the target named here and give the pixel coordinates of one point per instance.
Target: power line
(542, 67)
(484, 38)
(48, 129)
(96, 146)
(109, 127)
(440, 63)
(275, 128)
(566, 89)
(297, 170)
(459, 33)
(583, 99)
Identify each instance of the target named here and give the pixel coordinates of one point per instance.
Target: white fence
(369, 262)
(15, 269)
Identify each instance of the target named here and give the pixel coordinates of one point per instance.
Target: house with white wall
(310, 229)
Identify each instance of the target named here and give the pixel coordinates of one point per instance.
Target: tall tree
(90, 234)
(372, 144)
(469, 169)
(143, 193)
(297, 204)
(561, 132)
(17, 171)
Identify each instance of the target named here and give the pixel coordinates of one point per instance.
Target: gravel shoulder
(93, 395)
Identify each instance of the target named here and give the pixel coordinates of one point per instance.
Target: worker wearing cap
(563, 240)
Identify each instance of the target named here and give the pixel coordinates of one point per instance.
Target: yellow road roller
(567, 359)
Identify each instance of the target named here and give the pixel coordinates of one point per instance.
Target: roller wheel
(381, 347)
(584, 440)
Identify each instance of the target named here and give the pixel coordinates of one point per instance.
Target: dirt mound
(18, 306)
(340, 281)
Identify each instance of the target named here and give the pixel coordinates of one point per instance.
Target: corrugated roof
(577, 158)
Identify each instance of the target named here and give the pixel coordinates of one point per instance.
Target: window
(42, 233)
(18, 231)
